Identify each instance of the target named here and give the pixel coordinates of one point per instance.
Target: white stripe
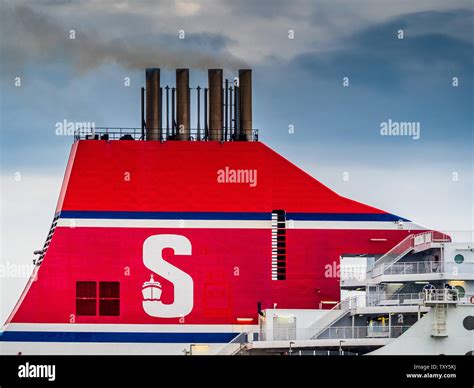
(230, 224)
(126, 328)
(380, 225)
(189, 224)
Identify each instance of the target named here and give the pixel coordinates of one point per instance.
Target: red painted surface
(99, 254)
(231, 268)
(182, 176)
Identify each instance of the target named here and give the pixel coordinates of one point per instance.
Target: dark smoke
(29, 37)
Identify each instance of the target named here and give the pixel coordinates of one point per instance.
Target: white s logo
(182, 282)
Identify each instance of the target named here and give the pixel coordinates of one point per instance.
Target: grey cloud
(268, 9)
(374, 57)
(30, 37)
(208, 40)
(256, 27)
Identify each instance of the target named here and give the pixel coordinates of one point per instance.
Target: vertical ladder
(439, 321)
(278, 245)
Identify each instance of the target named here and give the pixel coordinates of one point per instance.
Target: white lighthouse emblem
(151, 290)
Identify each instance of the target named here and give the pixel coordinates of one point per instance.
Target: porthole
(461, 291)
(468, 322)
(459, 259)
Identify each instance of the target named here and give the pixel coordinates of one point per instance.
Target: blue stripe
(51, 336)
(248, 216)
(167, 215)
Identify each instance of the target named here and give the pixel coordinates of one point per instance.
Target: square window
(86, 289)
(109, 298)
(109, 307)
(86, 307)
(109, 290)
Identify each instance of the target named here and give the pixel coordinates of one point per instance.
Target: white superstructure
(418, 298)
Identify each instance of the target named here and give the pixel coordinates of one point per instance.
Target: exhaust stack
(183, 112)
(245, 89)
(227, 108)
(153, 104)
(215, 104)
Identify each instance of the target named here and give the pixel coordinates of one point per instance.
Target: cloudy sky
(426, 78)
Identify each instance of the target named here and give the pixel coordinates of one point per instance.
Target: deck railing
(394, 254)
(412, 241)
(425, 267)
(332, 333)
(120, 133)
(402, 299)
(444, 295)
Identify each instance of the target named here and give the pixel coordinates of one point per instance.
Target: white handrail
(396, 252)
(334, 332)
(343, 306)
(440, 295)
(235, 345)
(380, 299)
(403, 247)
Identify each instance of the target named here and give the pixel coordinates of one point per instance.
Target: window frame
(99, 300)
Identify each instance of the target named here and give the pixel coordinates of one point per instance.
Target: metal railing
(355, 272)
(108, 133)
(439, 237)
(415, 267)
(394, 254)
(341, 309)
(235, 345)
(379, 299)
(412, 299)
(330, 330)
(409, 243)
(347, 304)
(395, 299)
(425, 267)
(447, 295)
(402, 299)
(444, 295)
(332, 333)
(118, 133)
